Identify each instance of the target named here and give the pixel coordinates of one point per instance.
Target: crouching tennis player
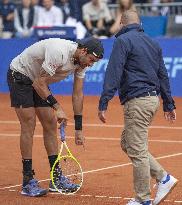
(45, 62)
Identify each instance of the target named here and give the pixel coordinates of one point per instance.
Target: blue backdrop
(172, 50)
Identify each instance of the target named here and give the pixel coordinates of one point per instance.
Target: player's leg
(49, 123)
(27, 119)
(21, 93)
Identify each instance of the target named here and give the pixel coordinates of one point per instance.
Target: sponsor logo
(55, 32)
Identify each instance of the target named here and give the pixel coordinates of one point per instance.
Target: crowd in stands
(90, 17)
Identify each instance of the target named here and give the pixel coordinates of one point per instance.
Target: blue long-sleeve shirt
(135, 66)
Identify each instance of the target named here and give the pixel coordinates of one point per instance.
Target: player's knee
(50, 126)
(28, 124)
(51, 122)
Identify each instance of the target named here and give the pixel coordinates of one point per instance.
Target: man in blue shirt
(136, 69)
(7, 15)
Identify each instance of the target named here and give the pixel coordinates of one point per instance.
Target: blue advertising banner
(66, 32)
(172, 51)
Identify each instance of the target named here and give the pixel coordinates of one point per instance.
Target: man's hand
(61, 116)
(170, 116)
(79, 138)
(101, 115)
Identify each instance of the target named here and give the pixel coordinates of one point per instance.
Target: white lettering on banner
(168, 63)
(69, 79)
(96, 73)
(94, 77)
(173, 65)
(177, 66)
(102, 64)
(52, 32)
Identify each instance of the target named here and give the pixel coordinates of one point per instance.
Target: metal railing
(155, 9)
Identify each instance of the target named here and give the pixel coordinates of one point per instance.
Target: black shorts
(22, 93)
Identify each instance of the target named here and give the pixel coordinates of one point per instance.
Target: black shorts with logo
(22, 93)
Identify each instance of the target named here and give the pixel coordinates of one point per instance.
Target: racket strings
(71, 170)
(67, 173)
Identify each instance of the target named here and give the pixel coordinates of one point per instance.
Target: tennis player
(45, 62)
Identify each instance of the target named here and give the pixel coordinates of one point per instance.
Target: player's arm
(77, 96)
(77, 100)
(53, 60)
(40, 84)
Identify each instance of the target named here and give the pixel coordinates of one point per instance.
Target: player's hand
(170, 116)
(101, 115)
(61, 116)
(79, 137)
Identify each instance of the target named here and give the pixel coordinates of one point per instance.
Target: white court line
(99, 125)
(109, 197)
(114, 197)
(101, 169)
(94, 138)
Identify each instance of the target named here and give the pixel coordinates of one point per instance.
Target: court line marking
(115, 197)
(101, 169)
(97, 125)
(94, 138)
(103, 196)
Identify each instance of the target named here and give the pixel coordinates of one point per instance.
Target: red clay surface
(112, 185)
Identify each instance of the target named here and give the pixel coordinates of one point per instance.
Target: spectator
(165, 10)
(70, 17)
(49, 15)
(76, 8)
(7, 19)
(123, 6)
(155, 9)
(97, 18)
(65, 7)
(24, 19)
(111, 8)
(35, 4)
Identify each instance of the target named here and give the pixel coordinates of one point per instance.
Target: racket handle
(62, 132)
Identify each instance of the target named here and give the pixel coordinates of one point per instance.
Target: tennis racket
(66, 173)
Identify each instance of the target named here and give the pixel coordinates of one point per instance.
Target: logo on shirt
(53, 66)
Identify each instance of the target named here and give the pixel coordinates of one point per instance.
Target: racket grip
(62, 132)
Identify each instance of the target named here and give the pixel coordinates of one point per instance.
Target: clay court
(107, 170)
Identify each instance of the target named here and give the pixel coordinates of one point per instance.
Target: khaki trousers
(138, 115)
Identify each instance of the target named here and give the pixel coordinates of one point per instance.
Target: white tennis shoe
(164, 188)
(134, 202)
